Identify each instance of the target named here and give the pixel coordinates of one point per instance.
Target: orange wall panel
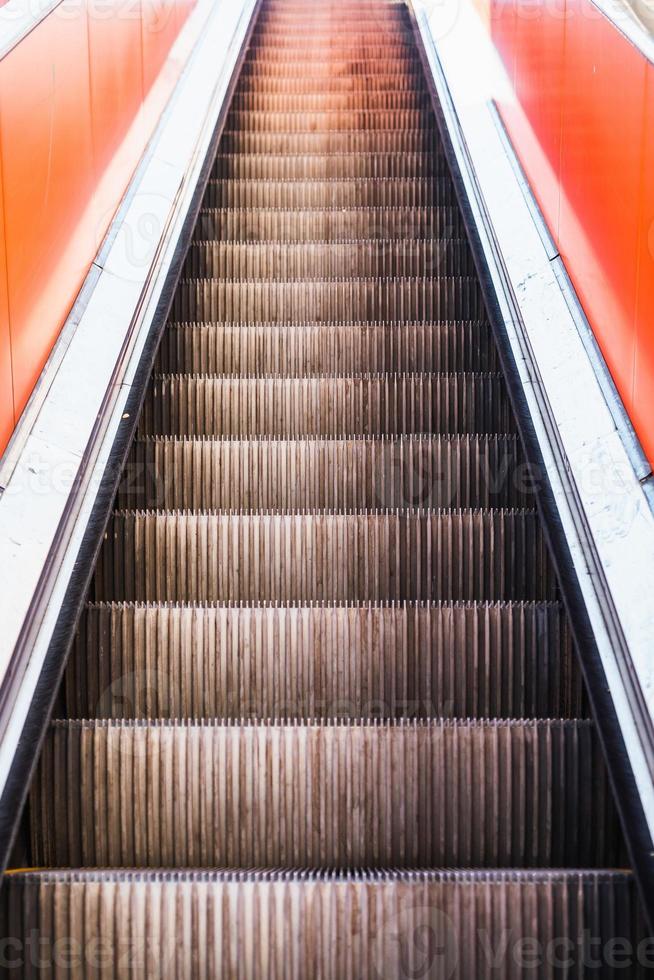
(582, 122)
(6, 382)
(642, 410)
(47, 170)
(602, 144)
(79, 98)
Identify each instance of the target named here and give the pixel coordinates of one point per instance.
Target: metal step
(322, 101)
(407, 258)
(311, 166)
(342, 83)
(328, 300)
(353, 925)
(352, 141)
(384, 404)
(305, 349)
(406, 660)
(324, 556)
(332, 120)
(349, 193)
(323, 795)
(328, 224)
(335, 474)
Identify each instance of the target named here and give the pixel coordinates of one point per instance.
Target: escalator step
(349, 193)
(328, 300)
(296, 84)
(374, 925)
(308, 166)
(321, 101)
(346, 348)
(328, 260)
(476, 660)
(292, 144)
(333, 120)
(196, 405)
(257, 225)
(333, 474)
(323, 794)
(316, 556)
(266, 66)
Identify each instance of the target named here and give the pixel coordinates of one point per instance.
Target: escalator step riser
(336, 165)
(351, 193)
(329, 260)
(330, 224)
(297, 351)
(320, 101)
(328, 795)
(302, 557)
(342, 83)
(183, 405)
(402, 141)
(403, 67)
(321, 474)
(328, 300)
(325, 48)
(452, 661)
(350, 927)
(336, 120)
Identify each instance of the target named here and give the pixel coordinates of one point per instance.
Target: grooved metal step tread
(351, 141)
(328, 224)
(334, 192)
(329, 405)
(307, 166)
(342, 83)
(328, 300)
(337, 926)
(321, 555)
(344, 474)
(393, 257)
(312, 101)
(323, 794)
(297, 350)
(474, 660)
(334, 120)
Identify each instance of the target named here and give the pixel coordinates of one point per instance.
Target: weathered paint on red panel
(116, 74)
(6, 382)
(602, 145)
(45, 127)
(538, 82)
(584, 135)
(642, 409)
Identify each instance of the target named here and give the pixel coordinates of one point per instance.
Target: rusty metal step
(370, 556)
(323, 795)
(332, 120)
(252, 166)
(342, 83)
(328, 224)
(378, 258)
(386, 192)
(413, 300)
(351, 141)
(321, 101)
(336, 474)
(338, 926)
(474, 660)
(308, 349)
(402, 404)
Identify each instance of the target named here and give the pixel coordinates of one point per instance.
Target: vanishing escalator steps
(324, 635)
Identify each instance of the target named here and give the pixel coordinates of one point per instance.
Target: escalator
(325, 658)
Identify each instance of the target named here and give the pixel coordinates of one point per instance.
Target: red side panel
(582, 123)
(6, 383)
(643, 397)
(47, 163)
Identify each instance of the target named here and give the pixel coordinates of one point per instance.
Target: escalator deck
(324, 660)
